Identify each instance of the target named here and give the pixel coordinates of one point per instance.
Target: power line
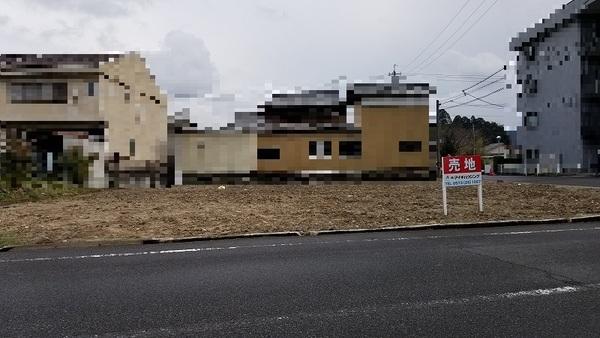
(484, 101)
(476, 99)
(487, 106)
(438, 35)
(487, 78)
(450, 37)
(471, 76)
(460, 80)
(463, 35)
(463, 92)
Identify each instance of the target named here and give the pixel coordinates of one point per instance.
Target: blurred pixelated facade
(369, 131)
(205, 156)
(558, 70)
(102, 116)
(106, 106)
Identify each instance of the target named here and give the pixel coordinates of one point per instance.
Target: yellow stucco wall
(382, 130)
(384, 127)
(294, 152)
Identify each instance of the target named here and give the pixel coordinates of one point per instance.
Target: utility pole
(437, 136)
(396, 76)
(473, 127)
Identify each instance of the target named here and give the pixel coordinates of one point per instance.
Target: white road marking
(462, 301)
(281, 319)
(538, 231)
(196, 250)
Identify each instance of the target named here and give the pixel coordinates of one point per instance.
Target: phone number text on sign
(462, 180)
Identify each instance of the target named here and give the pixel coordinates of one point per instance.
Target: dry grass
(206, 210)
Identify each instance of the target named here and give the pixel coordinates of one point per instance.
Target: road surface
(513, 281)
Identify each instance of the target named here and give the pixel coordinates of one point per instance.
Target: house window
(132, 147)
(319, 150)
(38, 93)
(268, 154)
(350, 149)
(531, 120)
(410, 146)
(533, 154)
(92, 88)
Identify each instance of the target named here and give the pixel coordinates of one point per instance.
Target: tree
(444, 117)
(466, 136)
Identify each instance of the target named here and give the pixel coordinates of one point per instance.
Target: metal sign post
(462, 171)
(444, 196)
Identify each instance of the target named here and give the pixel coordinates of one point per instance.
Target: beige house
(207, 156)
(106, 105)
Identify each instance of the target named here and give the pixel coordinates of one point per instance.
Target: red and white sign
(462, 164)
(461, 171)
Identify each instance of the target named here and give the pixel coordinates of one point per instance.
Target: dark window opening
(533, 154)
(531, 119)
(38, 93)
(312, 148)
(327, 148)
(350, 148)
(410, 146)
(91, 88)
(132, 147)
(268, 154)
(319, 150)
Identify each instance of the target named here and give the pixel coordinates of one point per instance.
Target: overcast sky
(244, 47)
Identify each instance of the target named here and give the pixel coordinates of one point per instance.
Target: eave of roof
(556, 19)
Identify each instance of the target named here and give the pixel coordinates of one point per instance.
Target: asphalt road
(518, 281)
(576, 181)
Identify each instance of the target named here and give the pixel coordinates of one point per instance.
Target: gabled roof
(556, 20)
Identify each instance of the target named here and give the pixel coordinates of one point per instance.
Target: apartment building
(558, 71)
(106, 105)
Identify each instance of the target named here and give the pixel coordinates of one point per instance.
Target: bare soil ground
(207, 210)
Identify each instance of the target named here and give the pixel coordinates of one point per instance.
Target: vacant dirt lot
(207, 210)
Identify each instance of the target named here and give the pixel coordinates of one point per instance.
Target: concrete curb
(80, 244)
(436, 226)
(211, 238)
(583, 219)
